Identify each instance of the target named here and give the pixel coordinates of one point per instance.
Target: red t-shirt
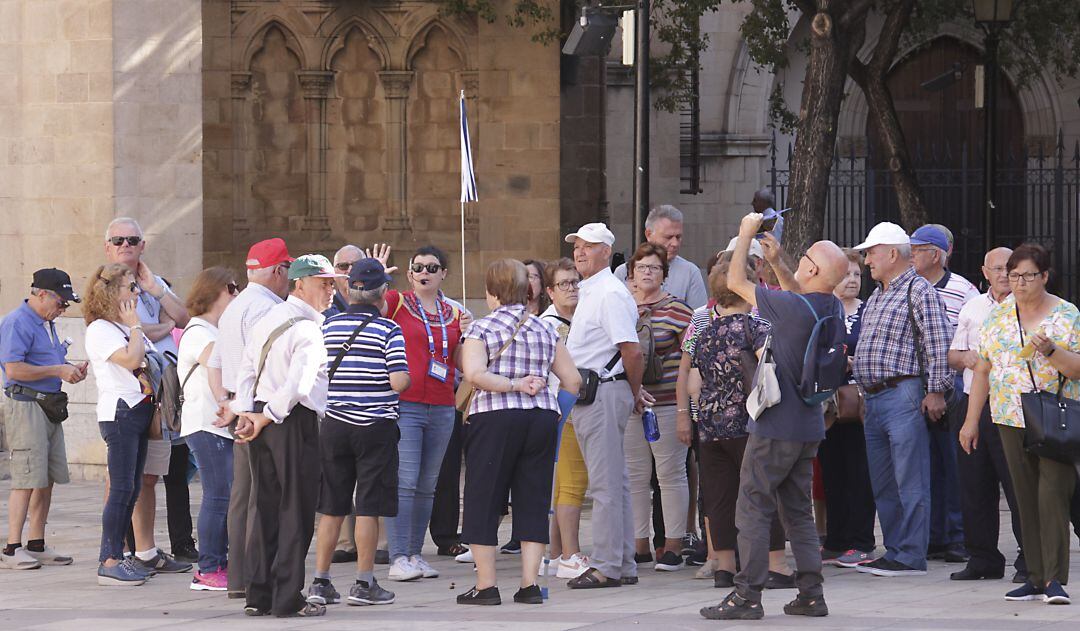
(424, 388)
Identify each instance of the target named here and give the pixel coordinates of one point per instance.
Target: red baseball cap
(268, 253)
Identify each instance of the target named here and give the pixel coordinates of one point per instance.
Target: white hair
(261, 274)
(903, 250)
(367, 297)
(123, 221)
(664, 211)
(348, 249)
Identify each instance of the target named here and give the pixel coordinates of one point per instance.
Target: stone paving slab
(68, 598)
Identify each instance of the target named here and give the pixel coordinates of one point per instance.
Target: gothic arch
(257, 41)
(454, 40)
(340, 25)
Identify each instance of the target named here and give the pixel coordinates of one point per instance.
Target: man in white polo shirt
(664, 227)
(604, 340)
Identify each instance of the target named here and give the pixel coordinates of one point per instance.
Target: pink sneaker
(210, 582)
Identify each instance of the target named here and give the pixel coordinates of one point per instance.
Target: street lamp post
(992, 15)
(641, 120)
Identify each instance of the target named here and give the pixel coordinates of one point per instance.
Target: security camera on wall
(592, 34)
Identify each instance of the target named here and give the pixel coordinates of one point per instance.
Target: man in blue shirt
(34, 361)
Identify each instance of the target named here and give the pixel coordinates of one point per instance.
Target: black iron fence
(1038, 199)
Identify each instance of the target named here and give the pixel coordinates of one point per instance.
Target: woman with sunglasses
(118, 352)
(432, 328)
(1030, 342)
(212, 291)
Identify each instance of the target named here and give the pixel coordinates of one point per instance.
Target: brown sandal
(593, 579)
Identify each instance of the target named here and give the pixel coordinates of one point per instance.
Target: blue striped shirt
(359, 392)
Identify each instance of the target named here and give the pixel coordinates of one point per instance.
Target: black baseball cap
(55, 280)
(368, 274)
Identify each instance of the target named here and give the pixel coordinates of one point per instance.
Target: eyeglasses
(534, 276)
(233, 288)
(119, 241)
(59, 300)
(133, 287)
(567, 285)
(812, 261)
(998, 269)
(344, 266)
(642, 267)
(284, 266)
(432, 268)
(1028, 277)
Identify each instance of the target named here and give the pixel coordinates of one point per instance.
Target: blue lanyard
(427, 327)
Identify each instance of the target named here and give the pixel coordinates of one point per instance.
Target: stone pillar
(469, 80)
(241, 91)
(396, 85)
(316, 86)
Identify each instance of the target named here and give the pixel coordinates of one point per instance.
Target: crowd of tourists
(712, 420)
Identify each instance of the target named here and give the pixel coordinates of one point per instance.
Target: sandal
(593, 579)
(452, 550)
(309, 610)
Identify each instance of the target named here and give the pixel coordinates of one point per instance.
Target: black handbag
(590, 381)
(1051, 421)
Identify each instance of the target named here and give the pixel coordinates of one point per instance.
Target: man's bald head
(343, 261)
(763, 199)
(997, 256)
(831, 264)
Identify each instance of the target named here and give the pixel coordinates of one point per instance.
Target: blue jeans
(125, 439)
(898, 450)
(214, 457)
(946, 518)
(425, 432)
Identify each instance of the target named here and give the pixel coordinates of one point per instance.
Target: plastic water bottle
(544, 578)
(648, 423)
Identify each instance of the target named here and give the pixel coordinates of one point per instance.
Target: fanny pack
(53, 404)
(590, 380)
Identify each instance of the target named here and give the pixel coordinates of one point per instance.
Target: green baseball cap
(315, 265)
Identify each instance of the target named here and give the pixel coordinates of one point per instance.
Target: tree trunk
(871, 78)
(835, 37)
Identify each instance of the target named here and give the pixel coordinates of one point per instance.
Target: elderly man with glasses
(34, 363)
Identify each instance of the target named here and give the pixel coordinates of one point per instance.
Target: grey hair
(348, 249)
(945, 231)
(368, 297)
(664, 211)
(123, 220)
(903, 250)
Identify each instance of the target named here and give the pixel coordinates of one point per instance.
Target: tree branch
(856, 11)
(889, 39)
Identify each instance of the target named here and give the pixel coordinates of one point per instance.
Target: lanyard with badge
(439, 370)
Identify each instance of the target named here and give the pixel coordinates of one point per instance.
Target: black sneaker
(886, 567)
(512, 547)
(641, 558)
(697, 558)
(690, 543)
(803, 606)
(936, 552)
(382, 557)
(1027, 591)
(530, 595)
(777, 580)
(164, 564)
(734, 607)
(669, 562)
(363, 593)
(323, 593)
(1055, 594)
(489, 596)
(723, 579)
(1020, 577)
(956, 554)
(343, 556)
(186, 554)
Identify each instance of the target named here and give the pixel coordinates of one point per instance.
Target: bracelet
(683, 410)
(511, 385)
(137, 327)
(1053, 349)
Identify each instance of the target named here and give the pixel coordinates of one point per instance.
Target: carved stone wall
(330, 122)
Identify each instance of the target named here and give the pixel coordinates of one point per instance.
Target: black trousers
(980, 475)
(446, 510)
(178, 499)
(285, 486)
(849, 497)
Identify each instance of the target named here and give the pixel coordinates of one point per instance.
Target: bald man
(343, 262)
(779, 455)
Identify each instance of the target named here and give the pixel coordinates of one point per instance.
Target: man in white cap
(902, 366)
(604, 341)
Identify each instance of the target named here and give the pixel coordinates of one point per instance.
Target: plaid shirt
(531, 353)
(886, 343)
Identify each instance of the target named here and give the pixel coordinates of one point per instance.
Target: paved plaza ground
(68, 598)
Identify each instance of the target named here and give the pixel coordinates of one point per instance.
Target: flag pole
(463, 253)
(468, 180)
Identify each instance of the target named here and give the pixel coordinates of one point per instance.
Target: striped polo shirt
(955, 292)
(668, 323)
(359, 392)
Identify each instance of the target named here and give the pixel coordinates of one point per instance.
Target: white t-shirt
(114, 382)
(200, 410)
(606, 316)
(969, 327)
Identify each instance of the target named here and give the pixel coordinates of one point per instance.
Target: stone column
(241, 91)
(316, 85)
(396, 84)
(469, 80)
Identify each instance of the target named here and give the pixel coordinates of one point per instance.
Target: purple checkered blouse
(531, 353)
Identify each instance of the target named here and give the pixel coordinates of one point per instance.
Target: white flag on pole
(468, 178)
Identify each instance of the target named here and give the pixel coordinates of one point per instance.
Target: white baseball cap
(593, 233)
(755, 247)
(885, 233)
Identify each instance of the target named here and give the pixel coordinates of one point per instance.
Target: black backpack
(824, 366)
(172, 389)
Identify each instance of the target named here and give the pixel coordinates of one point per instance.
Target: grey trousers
(776, 471)
(241, 510)
(600, 429)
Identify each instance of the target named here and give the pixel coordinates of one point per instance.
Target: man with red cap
(268, 284)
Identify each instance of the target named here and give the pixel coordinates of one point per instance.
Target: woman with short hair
(512, 429)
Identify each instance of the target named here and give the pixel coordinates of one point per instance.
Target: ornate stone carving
(316, 84)
(241, 85)
(469, 80)
(396, 83)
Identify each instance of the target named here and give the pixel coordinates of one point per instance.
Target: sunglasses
(63, 304)
(133, 287)
(233, 288)
(344, 266)
(432, 268)
(119, 241)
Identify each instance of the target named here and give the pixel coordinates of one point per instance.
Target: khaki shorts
(157, 457)
(38, 455)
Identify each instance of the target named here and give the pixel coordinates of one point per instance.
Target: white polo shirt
(684, 281)
(606, 316)
(969, 327)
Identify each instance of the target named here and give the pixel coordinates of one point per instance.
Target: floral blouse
(999, 344)
(722, 404)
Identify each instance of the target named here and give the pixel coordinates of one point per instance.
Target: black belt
(891, 382)
(619, 377)
(22, 393)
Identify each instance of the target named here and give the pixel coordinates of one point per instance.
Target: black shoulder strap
(614, 360)
(348, 344)
(560, 319)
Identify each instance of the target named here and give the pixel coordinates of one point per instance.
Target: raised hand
(148, 282)
(381, 253)
(128, 316)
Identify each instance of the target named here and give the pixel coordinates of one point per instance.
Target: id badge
(438, 370)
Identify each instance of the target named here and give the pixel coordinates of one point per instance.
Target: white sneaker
(573, 567)
(48, 556)
(464, 557)
(426, 570)
(403, 570)
(21, 560)
(706, 571)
